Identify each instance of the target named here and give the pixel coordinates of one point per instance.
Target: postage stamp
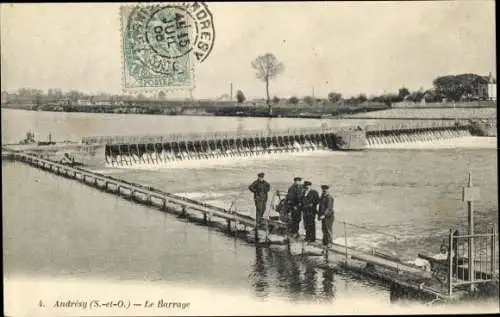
(162, 42)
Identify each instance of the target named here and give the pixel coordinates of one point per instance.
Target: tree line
(463, 87)
(267, 67)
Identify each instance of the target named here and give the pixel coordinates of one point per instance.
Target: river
(57, 228)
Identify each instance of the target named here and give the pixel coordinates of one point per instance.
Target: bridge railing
(415, 125)
(196, 136)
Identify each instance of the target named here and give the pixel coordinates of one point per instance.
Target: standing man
(294, 205)
(260, 188)
(310, 203)
(326, 215)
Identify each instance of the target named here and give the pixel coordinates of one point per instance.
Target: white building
(492, 91)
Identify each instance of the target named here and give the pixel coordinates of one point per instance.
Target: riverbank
(470, 142)
(215, 108)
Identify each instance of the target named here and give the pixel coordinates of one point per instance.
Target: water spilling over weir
(424, 134)
(136, 151)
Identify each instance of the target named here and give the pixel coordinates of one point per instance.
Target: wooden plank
(375, 260)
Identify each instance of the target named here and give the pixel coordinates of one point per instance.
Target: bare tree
(267, 67)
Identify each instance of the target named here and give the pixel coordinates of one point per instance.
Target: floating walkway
(338, 257)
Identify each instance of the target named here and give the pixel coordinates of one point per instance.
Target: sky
(346, 47)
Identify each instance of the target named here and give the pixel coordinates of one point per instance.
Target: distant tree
(416, 96)
(403, 92)
(240, 96)
(276, 99)
(309, 100)
(362, 98)
(453, 87)
(267, 67)
(38, 99)
(334, 97)
(293, 100)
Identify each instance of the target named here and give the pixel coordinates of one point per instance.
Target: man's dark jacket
(260, 188)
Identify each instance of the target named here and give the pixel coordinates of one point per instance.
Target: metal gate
(473, 259)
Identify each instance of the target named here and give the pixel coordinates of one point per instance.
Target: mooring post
(450, 263)
(228, 225)
(469, 194)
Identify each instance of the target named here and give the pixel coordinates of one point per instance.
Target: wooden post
(450, 263)
(469, 194)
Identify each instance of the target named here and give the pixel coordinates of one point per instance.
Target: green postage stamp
(161, 43)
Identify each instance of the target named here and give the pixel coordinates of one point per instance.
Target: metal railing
(417, 124)
(475, 266)
(197, 136)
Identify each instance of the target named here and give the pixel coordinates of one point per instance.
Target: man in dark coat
(294, 205)
(310, 203)
(326, 215)
(260, 188)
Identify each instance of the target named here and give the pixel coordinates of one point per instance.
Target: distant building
(492, 88)
(488, 90)
(83, 102)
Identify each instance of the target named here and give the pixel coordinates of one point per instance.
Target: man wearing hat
(294, 205)
(310, 203)
(326, 215)
(260, 188)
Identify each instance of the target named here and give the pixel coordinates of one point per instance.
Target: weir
(133, 151)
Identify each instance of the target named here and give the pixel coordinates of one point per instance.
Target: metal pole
(345, 240)
(450, 264)
(470, 212)
(492, 255)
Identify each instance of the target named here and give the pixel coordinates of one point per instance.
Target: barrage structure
(131, 151)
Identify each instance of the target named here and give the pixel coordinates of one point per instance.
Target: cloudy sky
(347, 47)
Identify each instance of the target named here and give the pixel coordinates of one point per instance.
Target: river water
(54, 227)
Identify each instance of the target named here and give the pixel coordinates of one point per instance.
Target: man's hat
(297, 179)
(325, 187)
(307, 183)
(260, 175)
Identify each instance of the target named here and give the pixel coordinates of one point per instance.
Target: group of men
(301, 203)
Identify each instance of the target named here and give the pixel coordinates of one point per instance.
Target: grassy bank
(209, 108)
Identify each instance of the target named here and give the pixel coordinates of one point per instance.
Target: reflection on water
(300, 280)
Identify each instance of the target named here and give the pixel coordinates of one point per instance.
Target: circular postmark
(159, 34)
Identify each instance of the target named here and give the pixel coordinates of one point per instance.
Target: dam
(131, 151)
(161, 150)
